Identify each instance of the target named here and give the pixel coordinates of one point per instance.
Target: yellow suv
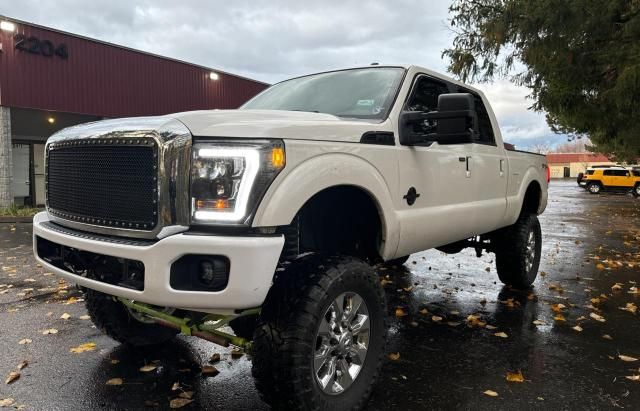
(612, 179)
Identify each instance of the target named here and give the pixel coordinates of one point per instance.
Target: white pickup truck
(272, 219)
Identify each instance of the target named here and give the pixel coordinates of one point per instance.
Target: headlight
(229, 178)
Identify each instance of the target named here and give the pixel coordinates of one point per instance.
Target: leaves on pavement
(115, 381)
(12, 377)
(83, 348)
(515, 376)
(490, 393)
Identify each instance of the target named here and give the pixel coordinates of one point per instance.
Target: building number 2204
(34, 45)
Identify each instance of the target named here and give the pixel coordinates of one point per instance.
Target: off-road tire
(115, 320)
(397, 262)
(511, 252)
(636, 190)
(284, 340)
(594, 188)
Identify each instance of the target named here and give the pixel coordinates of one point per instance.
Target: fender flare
(291, 191)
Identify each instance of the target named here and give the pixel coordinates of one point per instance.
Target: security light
(214, 76)
(7, 26)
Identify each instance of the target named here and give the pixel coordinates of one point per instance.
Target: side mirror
(456, 121)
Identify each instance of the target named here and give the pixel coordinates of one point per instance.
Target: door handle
(468, 171)
(501, 167)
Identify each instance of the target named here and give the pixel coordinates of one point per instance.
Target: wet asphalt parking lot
(569, 336)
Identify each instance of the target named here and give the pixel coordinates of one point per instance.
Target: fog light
(200, 273)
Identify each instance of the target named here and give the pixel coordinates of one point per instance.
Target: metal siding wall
(109, 81)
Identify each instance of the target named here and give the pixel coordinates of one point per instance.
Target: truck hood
(276, 124)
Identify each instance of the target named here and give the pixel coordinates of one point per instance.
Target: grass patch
(17, 211)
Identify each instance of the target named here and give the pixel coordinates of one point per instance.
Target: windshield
(359, 93)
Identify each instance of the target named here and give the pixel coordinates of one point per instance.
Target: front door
(441, 210)
(38, 174)
(21, 187)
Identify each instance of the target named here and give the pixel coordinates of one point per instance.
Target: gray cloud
(277, 39)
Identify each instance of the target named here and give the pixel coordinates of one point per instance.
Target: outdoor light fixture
(51, 120)
(7, 26)
(214, 76)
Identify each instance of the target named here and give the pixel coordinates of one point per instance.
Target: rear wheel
(518, 250)
(636, 191)
(321, 335)
(594, 188)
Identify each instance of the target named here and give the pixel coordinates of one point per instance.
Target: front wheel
(518, 250)
(321, 335)
(594, 188)
(636, 191)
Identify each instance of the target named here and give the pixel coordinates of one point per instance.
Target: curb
(10, 219)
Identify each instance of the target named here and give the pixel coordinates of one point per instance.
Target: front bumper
(253, 263)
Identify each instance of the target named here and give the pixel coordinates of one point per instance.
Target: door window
(484, 121)
(424, 97)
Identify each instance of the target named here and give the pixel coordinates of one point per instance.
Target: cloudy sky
(271, 40)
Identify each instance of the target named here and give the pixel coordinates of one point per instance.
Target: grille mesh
(110, 185)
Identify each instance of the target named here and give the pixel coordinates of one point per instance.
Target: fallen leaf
(148, 368)
(115, 361)
(7, 402)
(634, 290)
(577, 328)
(209, 371)
(501, 334)
(559, 317)
(84, 317)
(23, 364)
(599, 266)
(515, 376)
(65, 316)
(627, 358)
(616, 287)
(400, 312)
(186, 394)
(235, 354)
(607, 337)
(424, 311)
(436, 318)
(597, 317)
(115, 381)
(633, 377)
(490, 393)
(394, 356)
(490, 327)
(408, 289)
(558, 307)
(631, 307)
(538, 322)
(24, 341)
(454, 323)
(12, 377)
(83, 347)
(179, 402)
(214, 358)
(71, 300)
(50, 331)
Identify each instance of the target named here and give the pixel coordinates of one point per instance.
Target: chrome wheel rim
(531, 250)
(594, 188)
(341, 343)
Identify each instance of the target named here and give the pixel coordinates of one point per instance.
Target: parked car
(271, 218)
(614, 178)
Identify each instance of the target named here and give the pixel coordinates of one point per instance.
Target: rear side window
(590, 172)
(608, 173)
(484, 121)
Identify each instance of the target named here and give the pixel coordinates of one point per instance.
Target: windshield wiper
(306, 111)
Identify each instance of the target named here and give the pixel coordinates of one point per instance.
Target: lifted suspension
(206, 328)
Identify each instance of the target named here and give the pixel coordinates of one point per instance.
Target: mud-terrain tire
(115, 320)
(396, 262)
(518, 250)
(594, 188)
(297, 330)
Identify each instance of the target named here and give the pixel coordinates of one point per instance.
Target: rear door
(489, 169)
(436, 190)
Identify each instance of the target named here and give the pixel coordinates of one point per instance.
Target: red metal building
(50, 79)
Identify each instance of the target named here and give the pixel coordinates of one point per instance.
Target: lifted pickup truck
(272, 218)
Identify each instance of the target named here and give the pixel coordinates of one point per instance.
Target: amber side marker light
(277, 157)
(211, 204)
